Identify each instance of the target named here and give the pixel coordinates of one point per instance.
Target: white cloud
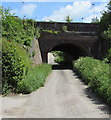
(74, 11)
(99, 8)
(89, 18)
(77, 11)
(28, 9)
(96, 12)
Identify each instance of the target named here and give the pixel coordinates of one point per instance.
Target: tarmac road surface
(64, 95)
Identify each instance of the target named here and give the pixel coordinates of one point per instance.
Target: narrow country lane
(63, 96)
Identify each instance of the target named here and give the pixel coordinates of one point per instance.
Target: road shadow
(94, 97)
(98, 101)
(61, 67)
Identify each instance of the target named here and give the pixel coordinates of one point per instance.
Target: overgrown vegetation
(96, 74)
(105, 24)
(68, 19)
(106, 18)
(51, 31)
(18, 74)
(62, 58)
(64, 28)
(35, 78)
(15, 64)
(19, 30)
(59, 56)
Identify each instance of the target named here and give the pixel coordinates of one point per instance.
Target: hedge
(96, 74)
(16, 64)
(18, 75)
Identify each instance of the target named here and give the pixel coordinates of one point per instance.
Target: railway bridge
(80, 39)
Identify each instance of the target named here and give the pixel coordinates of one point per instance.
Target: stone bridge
(81, 39)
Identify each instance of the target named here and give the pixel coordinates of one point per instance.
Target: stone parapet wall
(87, 27)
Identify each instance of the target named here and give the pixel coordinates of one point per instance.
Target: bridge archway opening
(74, 50)
(71, 52)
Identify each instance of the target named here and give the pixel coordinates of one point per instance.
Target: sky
(46, 10)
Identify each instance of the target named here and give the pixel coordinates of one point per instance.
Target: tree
(106, 29)
(68, 19)
(106, 18)
(15, 29)
(107, 33)
(96, 20)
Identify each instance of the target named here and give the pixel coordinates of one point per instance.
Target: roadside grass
(34, 79)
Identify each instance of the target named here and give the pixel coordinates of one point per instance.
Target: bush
(96, 74)
(35, 78)
(17, 70)
(62, 58)
(59, 59)
(64, 28)
(109, 55)
(19, 30)
(18, 75)
(59, 56)
(50, 31)
(16, 64)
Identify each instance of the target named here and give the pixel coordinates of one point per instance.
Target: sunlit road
(63, 96)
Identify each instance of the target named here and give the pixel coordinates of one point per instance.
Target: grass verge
(34, 79)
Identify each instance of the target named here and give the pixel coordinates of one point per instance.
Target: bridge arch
(73, 51)
(77, 43)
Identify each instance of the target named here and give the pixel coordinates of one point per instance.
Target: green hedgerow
(16, 64)
(18, 74)
(96, 74)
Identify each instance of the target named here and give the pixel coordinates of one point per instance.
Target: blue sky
(57, 11)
